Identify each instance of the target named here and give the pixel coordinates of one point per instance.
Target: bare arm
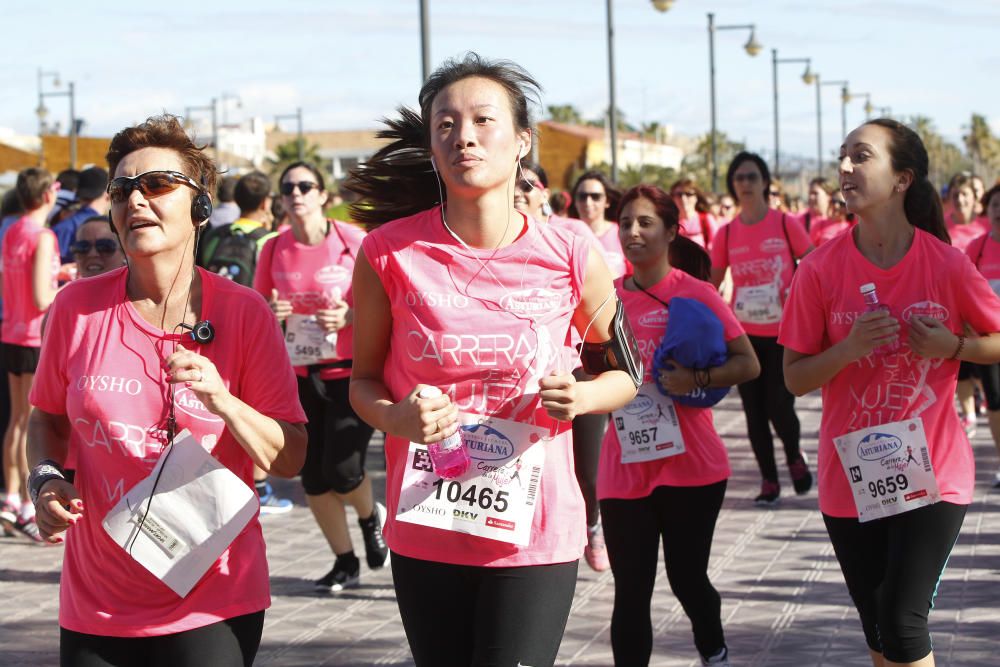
(741, 366)
(717, 276)
(42, 289)
(59, 503)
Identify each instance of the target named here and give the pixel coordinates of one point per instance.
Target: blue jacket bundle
(694, 339)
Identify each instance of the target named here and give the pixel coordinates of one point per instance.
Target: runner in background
(96, 249)
(29, 269)
(588, 430)
(305, 272)
(666, 479)
(595, 200)
(476, 299)
(815, 217)
(985, 254)
(776, 196)
(762, 247)
(896, 471)
(840, 220)
(727, 209)
(696, 224)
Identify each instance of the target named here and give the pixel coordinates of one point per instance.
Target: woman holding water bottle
(461, 293)
(896, 471)
(305, 272)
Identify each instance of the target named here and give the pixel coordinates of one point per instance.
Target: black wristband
(43, 472)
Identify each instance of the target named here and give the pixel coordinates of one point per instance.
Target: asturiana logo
(639, 405)
(656, 319)
(188, 403)
(331, 274)
(926, 309)
(487, 444)
(532, 301)
(875, 446)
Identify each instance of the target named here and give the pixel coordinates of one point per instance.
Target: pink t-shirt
(760, 259)
(985, 254)
(963, 235)
(311, 277)
(830, 230)
(485, 340)
(932, 280)
(101, 367)
(696, 229)
(22, 320)
(574, 225)
(705, 460)
(611, 249)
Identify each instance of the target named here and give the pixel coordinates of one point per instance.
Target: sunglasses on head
(287, 188)
(103, 247)
(526, 186)
(595, 196)
(150, 184)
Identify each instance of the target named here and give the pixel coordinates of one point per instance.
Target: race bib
(757, 304)
(307, 342)
(889, 469)
(995, 284)
(647, 427)
(496, 498)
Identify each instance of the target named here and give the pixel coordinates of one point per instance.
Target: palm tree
(288, 152)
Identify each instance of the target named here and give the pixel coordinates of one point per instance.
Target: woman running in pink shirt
(459, 291)
(132, 360)
(664, 469)
(877, 319)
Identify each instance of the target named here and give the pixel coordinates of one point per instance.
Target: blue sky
(349, 63)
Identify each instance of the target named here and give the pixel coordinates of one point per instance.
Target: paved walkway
(784, 601)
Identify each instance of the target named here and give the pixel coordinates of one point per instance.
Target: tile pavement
(784, 602)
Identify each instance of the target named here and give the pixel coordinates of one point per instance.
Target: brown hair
(683, 253)
(31, 186)
(164, 131)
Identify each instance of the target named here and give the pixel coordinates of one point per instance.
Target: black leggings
(990, 376)
(766, 401)
(684, 516)
(588, 433)
(229, 643)
(892, 567)
(338, 439)
(462, 615)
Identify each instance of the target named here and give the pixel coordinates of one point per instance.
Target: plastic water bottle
(872, 304)
(449, 457)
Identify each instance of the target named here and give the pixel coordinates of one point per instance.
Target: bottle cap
(867, 287)
(429, 392)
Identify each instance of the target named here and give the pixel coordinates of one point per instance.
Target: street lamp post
(42, 112)
(869, 108)
(752, 47)
(213, 107)
(425, 43)
(807, 77)
(300, 138)
(613, 110)
(223, 99)
(845, 97)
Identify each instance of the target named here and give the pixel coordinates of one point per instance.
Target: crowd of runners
(170, 341)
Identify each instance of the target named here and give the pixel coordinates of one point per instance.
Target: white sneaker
(996, 480)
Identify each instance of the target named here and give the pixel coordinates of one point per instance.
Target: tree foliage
(565, 113)
(698, 165)
(946, 158)
(983, 148)
(288, 152)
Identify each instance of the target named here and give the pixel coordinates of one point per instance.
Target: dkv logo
(875, 446)
(188, 403)
(926, 309)
(486, 443)
(331, 274)
(654, 320)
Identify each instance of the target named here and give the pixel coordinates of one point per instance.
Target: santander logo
(926, 309)
(188, 403)
(331, 274)
(656, 319)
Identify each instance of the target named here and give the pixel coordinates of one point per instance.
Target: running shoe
(720, 659)
(270, 503)
(8, 517)
(996, 480)
(969, 422)
(770, 493)
(596, 553)
(29, 529)
(802, 479)
(346, 573)
(376, 550)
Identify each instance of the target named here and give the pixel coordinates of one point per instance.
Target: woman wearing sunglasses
(132, 360)
(762, 246)
(30, 266)
(306, 273)
(96, 249)
(695, 224)
(595, 199)
(466, 294)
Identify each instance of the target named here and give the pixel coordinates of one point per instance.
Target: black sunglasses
(103, 247)
(150, 184)
(287, 188)
(584, 196)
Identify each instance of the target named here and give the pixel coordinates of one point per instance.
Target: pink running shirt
(101, 367)
(22, 321)
(486, 345)
(696, 229)
(830, 230)
(614, 256)
(705, 460)
(962, 235)
(759, 256)
(985, 255)
(932, 280)
(311, 277)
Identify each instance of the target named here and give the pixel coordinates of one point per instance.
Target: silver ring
(201, 376)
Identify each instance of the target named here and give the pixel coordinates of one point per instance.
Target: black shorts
(18, 359)
(338, 438)
(990, 376)
(968, 370)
